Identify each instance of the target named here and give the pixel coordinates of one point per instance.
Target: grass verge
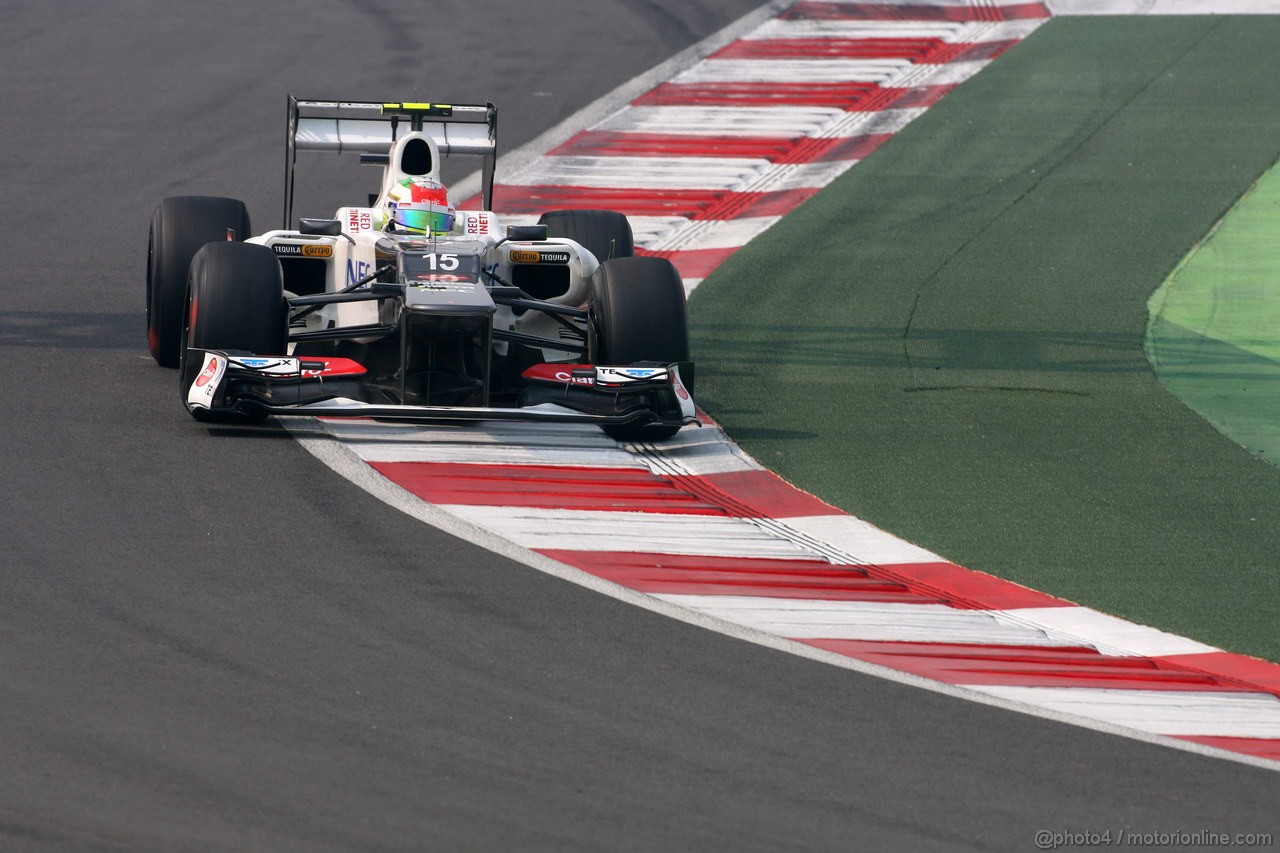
(948, 341)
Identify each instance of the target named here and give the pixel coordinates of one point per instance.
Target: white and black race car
(356, 316)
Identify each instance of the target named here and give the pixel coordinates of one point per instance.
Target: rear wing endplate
(369, 127)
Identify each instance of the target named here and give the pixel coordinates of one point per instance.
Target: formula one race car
(410, 309)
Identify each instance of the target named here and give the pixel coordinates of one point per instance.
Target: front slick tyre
(637, 311)
(235, 302)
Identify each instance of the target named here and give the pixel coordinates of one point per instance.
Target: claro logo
(566, 376)
(208, 373)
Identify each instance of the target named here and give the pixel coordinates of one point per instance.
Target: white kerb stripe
(950, 73)
(779, 29)
(649, 230)
(799, 618)
(781, 122)
(956, 4)
(861, 540)
(1107, 633)
(662, 533)
(486, 444)
(795, 71)
(871, 122)
(1166, 712)
(950, 32)
(496, 454)
(698, 451)
(716, 234)
(358, 431)
(685, 173)
(798, 176)
(769, 122)
(998, 31)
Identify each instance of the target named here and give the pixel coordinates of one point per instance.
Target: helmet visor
(428, 219)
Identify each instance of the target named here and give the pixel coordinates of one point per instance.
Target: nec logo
(357, 270)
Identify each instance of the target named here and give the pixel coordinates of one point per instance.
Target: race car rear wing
(369, 127)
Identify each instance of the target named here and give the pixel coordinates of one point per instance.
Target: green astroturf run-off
(949, 340)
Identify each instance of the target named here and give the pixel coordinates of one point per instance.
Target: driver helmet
(421, 205)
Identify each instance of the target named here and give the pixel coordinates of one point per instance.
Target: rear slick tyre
(604, 233)
(179, 227)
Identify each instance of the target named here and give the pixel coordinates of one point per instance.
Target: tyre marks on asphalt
(702, 163)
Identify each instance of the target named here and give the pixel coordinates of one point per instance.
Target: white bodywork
(363, 246)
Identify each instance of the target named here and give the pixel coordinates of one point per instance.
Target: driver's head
(420, 205)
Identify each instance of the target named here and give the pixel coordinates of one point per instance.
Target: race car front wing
(230, 384)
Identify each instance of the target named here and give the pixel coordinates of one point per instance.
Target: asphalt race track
(208, 641)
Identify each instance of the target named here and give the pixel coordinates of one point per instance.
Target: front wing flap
(229, 383)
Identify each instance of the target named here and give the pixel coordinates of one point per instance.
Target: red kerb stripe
(592, 143)
(516, 199)
(743, 494)
(1261, 747)
(545, 487)
(834, 150)
(1026, 666)
(694, 204)
(759, 494)
(848, 96)
(710, 575)
(932, 51)
(967, 588)
(1242, 668)
(816, 579)
(692, 263)
(914, 49)
(844, 95)
(814, 10)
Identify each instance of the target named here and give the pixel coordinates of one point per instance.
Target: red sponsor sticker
(210, 369)
(570, 374)
(332, 367)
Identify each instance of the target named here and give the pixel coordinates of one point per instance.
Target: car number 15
(443, 262)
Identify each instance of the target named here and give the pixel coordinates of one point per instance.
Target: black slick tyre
(179, 227)
(638, 314)
(235, 303)
(605, 233)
